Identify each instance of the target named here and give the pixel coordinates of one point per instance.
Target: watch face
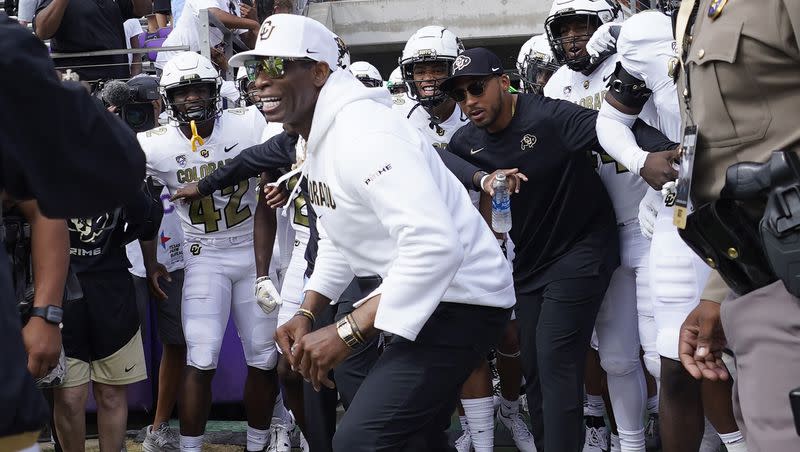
(53, 314)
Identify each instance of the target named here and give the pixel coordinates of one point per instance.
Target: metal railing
(230, 40)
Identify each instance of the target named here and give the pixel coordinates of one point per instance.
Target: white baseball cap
(292, 36)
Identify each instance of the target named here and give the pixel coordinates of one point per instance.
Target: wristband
(482, 174)
(307, 314)
(483, 179)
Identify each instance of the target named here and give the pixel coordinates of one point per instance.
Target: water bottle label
(501, 204)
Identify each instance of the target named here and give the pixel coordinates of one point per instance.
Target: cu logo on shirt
(266, 30)
(194, 249)
(527, 142)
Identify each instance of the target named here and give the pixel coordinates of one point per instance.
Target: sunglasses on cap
(475, 89)
(273, 67)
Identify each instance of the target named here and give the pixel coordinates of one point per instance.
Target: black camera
(134, 101)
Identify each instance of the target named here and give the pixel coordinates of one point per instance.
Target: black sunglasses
(475, 89)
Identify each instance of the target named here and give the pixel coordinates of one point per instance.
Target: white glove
(604, 40)
(648, 211)
(669, 191)
(267, 295)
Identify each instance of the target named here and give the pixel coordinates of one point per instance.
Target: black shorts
(168, 323)
(162, 7)
(104, 320)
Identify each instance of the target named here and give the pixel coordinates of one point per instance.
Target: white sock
(615, 445)
(256, 439)
(734, 442)
(464, 423)
(595, 406)
(652, 405)
(711, 441)
(191, 443)
(280, 411)
(509, 406)
(630, 441)
(480, 416)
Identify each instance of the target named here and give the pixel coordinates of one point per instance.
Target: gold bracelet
(307, 314)
(356, 331)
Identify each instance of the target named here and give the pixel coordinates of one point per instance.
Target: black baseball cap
(473, 62)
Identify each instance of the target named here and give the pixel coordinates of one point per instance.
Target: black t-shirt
(97, 243)
(563, 223)
(93, 25)
(61, 164)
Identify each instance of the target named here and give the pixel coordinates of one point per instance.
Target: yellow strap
(19, 441)
(682, 22)
(196, 140)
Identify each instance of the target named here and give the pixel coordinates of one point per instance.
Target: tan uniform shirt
(740, 85)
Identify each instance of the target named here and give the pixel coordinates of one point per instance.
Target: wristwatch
(51, 314)
(345, 331)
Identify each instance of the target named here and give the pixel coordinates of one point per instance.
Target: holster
(728, 239)
(751, 235)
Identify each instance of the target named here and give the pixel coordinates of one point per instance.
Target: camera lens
(139, 116)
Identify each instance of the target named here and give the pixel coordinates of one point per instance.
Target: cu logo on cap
(266, 30)
(461, 62)
(527, 142)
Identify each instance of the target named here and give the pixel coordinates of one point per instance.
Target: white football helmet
(595, 12)
(669, 7)
(396, 84)
(248, 95)
(535, 64)
(429, 44)
(344, 53)
(189, 68)
(367, 74)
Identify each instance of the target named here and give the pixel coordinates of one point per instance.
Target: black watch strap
(51, 314)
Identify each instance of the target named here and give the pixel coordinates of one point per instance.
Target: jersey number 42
(203, 211)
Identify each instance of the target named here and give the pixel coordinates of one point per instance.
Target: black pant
(23, 406)
(320, 406)
(406, 401)
(556, 323)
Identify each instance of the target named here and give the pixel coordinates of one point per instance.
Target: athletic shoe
(597, 435)
(464, 442)
(515, 424)
(652, 433)
(279, 436)
(163, 439)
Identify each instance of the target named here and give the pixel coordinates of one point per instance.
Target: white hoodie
(386, 205)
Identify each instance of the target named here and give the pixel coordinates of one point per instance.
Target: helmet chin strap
(435, 121)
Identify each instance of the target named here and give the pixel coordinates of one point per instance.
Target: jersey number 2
(203, 211)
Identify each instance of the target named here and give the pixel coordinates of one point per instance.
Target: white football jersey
(625, 188)
(647, 50)
(439, 135)
(297, 214)
(172, 163)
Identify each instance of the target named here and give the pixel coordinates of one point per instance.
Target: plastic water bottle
(501, 205)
